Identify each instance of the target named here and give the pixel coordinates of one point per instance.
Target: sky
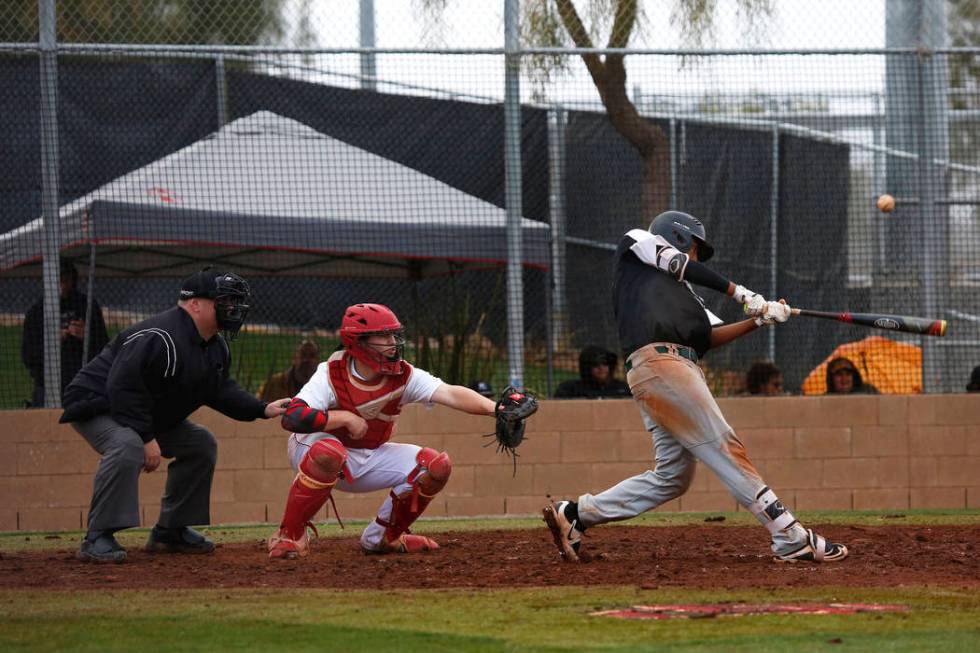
(795, 24)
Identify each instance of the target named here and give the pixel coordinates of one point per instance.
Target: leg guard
(769, 510)
(430, 475)
(319, 471)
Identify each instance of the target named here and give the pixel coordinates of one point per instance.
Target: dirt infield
(731, 557)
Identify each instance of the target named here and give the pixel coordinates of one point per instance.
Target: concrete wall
(863, 453)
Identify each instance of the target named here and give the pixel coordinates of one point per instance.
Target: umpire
(131, 403)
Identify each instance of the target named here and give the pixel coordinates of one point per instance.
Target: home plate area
(709, 611)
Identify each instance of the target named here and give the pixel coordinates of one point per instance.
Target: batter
(665, 329)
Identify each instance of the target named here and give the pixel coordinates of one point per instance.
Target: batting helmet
(682, 230)
(363, 320)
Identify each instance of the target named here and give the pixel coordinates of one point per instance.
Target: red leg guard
(429, 477)
(318, 473)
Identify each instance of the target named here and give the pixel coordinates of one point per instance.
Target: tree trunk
(649, 140)
(609, 77)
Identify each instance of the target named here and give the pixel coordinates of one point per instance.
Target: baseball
(886, 203)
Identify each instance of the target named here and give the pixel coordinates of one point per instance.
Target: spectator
(597, 367)
(843, 378)
(764, 378)
(289, 383)
(974, 384)
(73, 308)
(483, 388)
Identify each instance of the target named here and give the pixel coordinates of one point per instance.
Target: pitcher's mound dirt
(691, 556)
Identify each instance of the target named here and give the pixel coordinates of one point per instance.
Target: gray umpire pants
(686, 424)
(115, 497)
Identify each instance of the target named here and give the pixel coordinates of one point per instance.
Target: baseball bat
(922, 325)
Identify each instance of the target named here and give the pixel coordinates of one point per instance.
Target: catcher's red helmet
(363, 320)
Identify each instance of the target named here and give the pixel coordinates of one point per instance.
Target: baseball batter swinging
(665, 329)
(342, 421)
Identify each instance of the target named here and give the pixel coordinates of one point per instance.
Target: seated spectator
(73, 308)
(843, 378)
(289, 383)
(483, 388)
(597, 369)
(764, 378)
(974, 384)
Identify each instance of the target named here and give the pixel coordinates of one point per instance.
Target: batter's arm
(724, 334)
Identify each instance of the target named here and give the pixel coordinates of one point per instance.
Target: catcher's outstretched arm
(464, 399)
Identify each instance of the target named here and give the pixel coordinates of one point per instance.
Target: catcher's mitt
(513, 407)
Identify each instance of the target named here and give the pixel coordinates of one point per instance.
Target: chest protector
(378, 403)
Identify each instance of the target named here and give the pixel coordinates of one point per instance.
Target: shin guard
(319, 471)
(769, 510)
(430, 475)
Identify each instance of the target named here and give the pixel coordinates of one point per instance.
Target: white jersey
(319, 393)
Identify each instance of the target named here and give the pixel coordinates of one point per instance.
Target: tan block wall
(835, 453)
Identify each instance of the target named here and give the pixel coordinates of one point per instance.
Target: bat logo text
(886, 323)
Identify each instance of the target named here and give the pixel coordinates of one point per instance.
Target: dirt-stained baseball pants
(686, 424)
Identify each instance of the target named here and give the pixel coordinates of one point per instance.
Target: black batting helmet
(682, 230)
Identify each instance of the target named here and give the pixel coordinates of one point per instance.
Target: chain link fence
(333, 159)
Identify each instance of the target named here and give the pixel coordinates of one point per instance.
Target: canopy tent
(890, 366)
(268, 195)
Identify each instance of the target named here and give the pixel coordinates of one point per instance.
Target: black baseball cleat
(182, 539)
(816, 549)
(101, 547)
(567, 535)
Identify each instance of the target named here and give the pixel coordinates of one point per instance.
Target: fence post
(221, 90)
(369, 70)
(774, 235)
(512, 191)
(556, 201)
(48, 41)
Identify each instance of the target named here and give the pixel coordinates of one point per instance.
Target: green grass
(499, 619)
(254, 356)
(23, 541)
(540, 619)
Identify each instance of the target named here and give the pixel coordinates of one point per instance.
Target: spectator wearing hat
(286, 384)
(131, 404)
(974, 384)
(73, 307)
(844, 378)
(597, 369)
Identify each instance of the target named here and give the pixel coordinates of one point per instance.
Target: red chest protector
(379, 403)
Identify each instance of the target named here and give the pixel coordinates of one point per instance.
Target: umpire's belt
(664, 348)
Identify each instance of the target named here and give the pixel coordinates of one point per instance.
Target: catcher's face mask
(382, 352)
(377, 324)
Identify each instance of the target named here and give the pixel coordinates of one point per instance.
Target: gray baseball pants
(115, 497)
(686, 424)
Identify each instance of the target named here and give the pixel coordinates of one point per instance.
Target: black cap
(482, 387)
(974, 385)
(201, 284)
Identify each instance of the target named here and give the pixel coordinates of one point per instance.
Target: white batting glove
(773, 312)
(753, 301)
(779, 311)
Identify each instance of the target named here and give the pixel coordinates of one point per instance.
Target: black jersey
(650, 302)
(156, 373)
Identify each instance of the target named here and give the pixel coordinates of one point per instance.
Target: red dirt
(649, 557)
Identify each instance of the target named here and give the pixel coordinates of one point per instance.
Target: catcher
(342, 422)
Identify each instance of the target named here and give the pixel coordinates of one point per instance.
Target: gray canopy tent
(267, 195)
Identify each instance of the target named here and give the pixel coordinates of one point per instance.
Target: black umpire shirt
(156, 373)
(653, 306)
